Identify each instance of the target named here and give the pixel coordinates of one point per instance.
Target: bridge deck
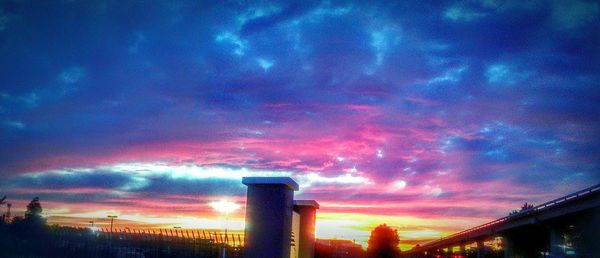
(500, 224)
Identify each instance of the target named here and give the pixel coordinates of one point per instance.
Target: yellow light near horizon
(224, 206)
(350, 226)
(355, 226)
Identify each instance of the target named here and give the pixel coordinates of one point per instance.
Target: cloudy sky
(431, 117)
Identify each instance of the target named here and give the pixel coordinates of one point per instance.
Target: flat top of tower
(312, 203)
(288, 181)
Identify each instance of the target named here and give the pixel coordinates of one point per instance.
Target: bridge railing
(519, 214)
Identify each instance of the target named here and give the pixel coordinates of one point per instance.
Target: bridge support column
(508, 247)
(480, 249)
(463, 250)
(269, 209)
(556, 241)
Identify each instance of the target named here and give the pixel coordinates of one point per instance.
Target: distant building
(338, 248)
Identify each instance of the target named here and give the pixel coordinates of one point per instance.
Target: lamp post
(112, 218)
(92, 226)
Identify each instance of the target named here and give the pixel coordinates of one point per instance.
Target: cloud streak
(371, 107)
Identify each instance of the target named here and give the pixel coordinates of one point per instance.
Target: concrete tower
(307, 210)
(269, 208)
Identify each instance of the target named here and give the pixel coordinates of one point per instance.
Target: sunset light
(224, 206)
(472, 125)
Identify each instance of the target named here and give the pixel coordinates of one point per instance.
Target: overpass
(565, 227)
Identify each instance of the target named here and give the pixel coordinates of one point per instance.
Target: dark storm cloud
(75, 186)
(166, 185)
(68, 179)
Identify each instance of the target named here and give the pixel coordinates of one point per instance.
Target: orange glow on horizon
(350, 226)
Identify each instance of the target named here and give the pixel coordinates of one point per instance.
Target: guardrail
(538, 208)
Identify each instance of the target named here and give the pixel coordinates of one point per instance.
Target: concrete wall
(295, 246)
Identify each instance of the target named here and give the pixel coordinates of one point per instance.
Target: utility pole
(7, 218)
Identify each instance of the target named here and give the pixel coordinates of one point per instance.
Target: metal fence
(124, 243)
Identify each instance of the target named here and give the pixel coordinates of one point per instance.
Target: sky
(432, 117)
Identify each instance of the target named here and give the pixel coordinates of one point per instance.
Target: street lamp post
(92, 228)
(112, 218)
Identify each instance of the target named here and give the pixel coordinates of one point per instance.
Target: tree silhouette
(383, 243)
(526, 206)
(33, 223)
(34, 210)
(29, 233)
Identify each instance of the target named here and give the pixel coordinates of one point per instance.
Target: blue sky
(442, 106)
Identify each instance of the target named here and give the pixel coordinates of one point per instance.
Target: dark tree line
(28, 232)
